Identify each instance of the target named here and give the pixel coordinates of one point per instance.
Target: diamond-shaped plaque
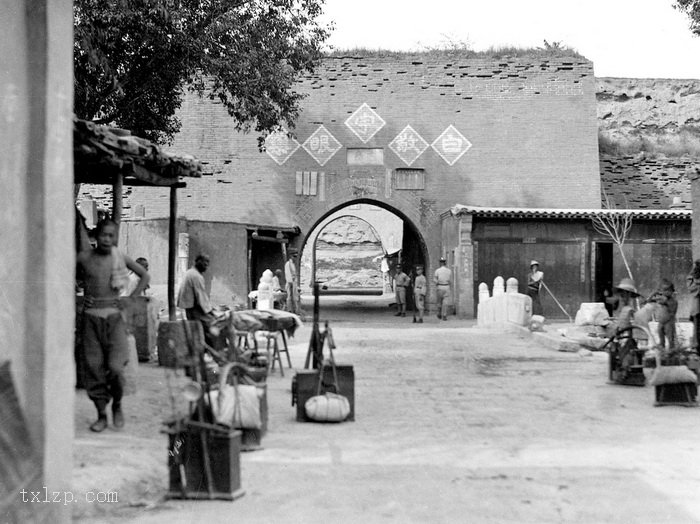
(321, 145)
(280, 147)
(408, 145)
(365, 122)
(451, 145)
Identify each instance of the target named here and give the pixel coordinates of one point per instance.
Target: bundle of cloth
(252, 320)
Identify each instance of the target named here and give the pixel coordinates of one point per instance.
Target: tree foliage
(692, 9)
(134, 59)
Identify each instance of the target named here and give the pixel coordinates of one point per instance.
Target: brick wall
(532, 127)
(646, 182)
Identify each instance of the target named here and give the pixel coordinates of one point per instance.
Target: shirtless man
(104, 328)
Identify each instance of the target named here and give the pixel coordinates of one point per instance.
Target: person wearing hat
(401, 282)
(420, 286)
(627, 292)
(534, 283)
(665, 312)
(290, 280)
(442, 279)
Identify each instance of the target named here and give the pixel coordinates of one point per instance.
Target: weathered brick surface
(646, 182)
(532, 127)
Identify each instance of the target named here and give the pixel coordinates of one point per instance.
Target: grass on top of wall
(464, 51)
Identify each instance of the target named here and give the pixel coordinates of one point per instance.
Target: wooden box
(305, 384)
(683, 394)
(186, 456)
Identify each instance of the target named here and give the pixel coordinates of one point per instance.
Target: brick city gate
(415, 134)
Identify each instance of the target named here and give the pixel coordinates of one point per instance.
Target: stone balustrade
(505, 306)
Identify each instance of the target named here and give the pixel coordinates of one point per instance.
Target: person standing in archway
(442, 279)
(534, 283)
(420, 286)
(401, 282)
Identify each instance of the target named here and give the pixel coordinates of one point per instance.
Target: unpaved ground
(452, 424)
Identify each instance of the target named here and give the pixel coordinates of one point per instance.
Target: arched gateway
(413, 245)
(414, 134)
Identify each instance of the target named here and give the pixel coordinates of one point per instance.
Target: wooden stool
(273, 344)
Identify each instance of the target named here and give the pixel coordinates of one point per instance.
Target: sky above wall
(623, 38)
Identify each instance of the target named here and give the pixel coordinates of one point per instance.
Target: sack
(672, 375)
(329, 407)
(224, 406)
(131, 367)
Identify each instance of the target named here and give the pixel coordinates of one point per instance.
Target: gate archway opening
(352, 252)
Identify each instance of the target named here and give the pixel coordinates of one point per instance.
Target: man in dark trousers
(102, 271)
(401, 282)
(442, 280)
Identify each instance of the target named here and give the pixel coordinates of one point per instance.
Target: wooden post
(172, 254)
(117, 196)
(251, 284)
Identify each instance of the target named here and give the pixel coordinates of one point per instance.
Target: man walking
(442, 279)
(103, 274)
(401, 282)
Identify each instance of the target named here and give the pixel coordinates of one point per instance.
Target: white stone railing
(505, 306)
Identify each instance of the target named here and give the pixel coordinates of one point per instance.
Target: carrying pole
(314, 355)
(558, 304)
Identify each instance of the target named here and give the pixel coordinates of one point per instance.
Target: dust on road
(453, 424)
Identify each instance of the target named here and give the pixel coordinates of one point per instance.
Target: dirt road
(453, 424)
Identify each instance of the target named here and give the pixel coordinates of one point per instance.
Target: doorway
(352, 251)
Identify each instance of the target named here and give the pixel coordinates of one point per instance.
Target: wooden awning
(112, 156)
(101, 152)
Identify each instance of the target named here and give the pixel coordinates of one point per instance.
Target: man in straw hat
(534, 283)
(626, 307)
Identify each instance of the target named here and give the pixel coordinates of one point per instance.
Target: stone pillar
(464, 285)
(498, 287)
(483, 292)
(512, 285)
(37, 211)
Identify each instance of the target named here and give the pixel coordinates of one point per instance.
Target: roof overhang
(101, 154)
(555, 213)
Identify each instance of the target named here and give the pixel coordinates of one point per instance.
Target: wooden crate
(305, 384)
(185, 454)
